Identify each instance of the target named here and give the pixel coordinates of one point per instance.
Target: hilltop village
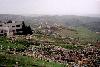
(49, 43)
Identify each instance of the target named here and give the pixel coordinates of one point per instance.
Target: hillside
(79, 32)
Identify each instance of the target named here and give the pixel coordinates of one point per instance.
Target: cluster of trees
(26, 29)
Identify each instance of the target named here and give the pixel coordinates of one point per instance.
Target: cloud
(50, 6)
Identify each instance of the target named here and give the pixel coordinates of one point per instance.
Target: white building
(10, 28)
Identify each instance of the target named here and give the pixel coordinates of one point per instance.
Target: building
(10, 27)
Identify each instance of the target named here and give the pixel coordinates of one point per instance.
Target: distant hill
(6, 17)
(93, 23)
(93, 26)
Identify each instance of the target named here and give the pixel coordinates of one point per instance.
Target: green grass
(84, 33)
(48, 64)
(70, 46)
(6, 43)
(25, 61)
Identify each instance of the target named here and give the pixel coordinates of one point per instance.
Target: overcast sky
(73, 7)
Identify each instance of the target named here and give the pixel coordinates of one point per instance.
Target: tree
(26, 29)
(29, 30)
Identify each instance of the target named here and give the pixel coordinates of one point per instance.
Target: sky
(60, 7)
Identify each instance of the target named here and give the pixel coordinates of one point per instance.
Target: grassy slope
(85, 36)
(84, 33)
(79, 32)
(6, 43)
(24, 61)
